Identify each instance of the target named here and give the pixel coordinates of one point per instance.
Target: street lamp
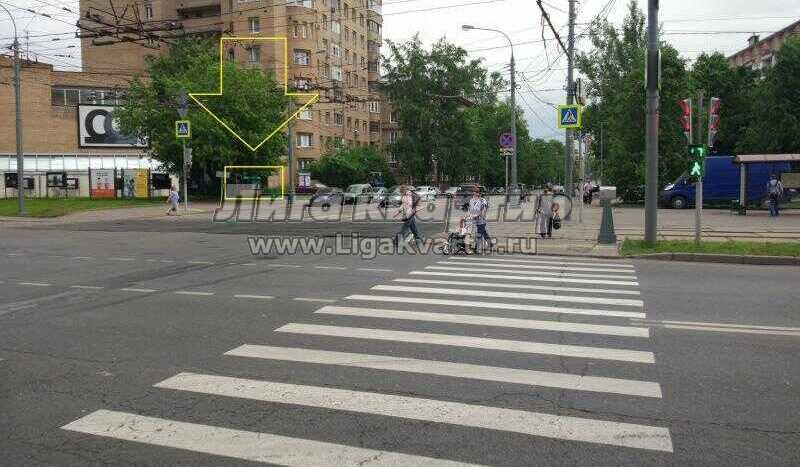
(469, 27)
(18, 103)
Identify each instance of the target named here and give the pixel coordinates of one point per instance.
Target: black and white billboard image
(96, 128)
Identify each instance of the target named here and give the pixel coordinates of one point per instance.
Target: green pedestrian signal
(697, 156)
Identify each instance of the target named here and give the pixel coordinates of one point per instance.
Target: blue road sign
(569, 116)
(183, 129)
(507, 140)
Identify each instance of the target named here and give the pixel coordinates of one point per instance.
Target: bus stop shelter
(744, 159)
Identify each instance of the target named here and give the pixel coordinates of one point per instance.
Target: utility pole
(580, 179)
(602, 149)
(651, 145)
(290, 152)
(514, 128)
(570, 136)
(18, 107)
(698, 190)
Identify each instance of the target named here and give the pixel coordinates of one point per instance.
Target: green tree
(424, 87)
(351, 165)
(614, 68)
(252, 104)
(775, 124)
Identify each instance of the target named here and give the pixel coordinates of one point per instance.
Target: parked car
(392, 198)
(721, 183)
(451, 191)
(326, 197)
(427, 193)
(359, 193)
(464, 193)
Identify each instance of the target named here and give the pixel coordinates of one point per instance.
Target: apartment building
(333, 48)
(760, 53)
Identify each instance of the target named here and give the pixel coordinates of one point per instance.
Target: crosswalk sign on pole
(569, 116)
(183, 129)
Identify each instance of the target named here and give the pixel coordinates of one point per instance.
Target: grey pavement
(144, 341)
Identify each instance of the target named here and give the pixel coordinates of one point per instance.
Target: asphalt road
(155, 347)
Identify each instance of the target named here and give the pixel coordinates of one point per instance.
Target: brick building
(760, 53)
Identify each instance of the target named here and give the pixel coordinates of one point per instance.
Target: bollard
(607, 235)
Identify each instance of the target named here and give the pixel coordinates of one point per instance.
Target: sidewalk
(201, 209)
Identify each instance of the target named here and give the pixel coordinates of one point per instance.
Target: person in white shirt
(477, 209)
(408, 212)
(172, 200)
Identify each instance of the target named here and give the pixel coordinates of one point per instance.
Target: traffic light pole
(651, 127)
(698, 190)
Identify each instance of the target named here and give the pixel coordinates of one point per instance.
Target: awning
(753, 158)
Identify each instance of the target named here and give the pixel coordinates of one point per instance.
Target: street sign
(187, 157)
(506, 152)
(183, 104)
(507, 140)
(183, 129)
(569, 116)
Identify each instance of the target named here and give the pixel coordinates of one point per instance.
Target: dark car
(326, 197)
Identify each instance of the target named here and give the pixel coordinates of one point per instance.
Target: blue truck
(721, 183)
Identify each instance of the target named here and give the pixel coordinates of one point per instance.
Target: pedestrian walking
(477, 210)
(409, 202)
(774, 191)
(544, 214)
(587, 193)
(172, 200)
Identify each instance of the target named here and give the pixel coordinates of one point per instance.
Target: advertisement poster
(97, 128)
(101, 183)
(134, 183)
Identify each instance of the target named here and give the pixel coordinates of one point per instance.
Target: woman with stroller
(544, 214)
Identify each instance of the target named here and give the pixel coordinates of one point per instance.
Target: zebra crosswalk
(514, 324)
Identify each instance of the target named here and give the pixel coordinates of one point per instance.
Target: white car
(450, 192)
(427, 193)
(358, 194)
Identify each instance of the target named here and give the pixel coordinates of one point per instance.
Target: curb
(720, 258)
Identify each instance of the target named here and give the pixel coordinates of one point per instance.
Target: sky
(692, 27)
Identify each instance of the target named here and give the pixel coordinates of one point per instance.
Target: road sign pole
(185, 185)
(651, 132)
(569, 143)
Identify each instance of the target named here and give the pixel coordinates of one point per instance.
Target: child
(172, 200)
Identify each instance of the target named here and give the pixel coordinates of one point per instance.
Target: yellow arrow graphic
(312, 97)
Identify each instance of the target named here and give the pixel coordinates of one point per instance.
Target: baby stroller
(457, 241)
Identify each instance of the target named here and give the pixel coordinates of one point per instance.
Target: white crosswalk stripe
(456, 370)
(238, 444)
(452, 272)
(429, 410)
(513, 295)
(516, 266)
(560, 326)
(475, 300)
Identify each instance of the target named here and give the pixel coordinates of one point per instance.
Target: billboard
(96, 128)
(101, 183)
(134, 183)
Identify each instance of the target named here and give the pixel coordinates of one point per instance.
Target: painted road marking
(375, 269)
(542, 268)
(114, 258)
(540, 348)
(238, 444)
(559, 326)
(540, 261)
(190, 292)
(498, 305)
(320, 300)
(723, 327)
(551, 288)
(35, 284)
(82, 257)
(200, 262)
(513, 295)
(455, 370)
(248, 264)
(540, 273)
(430, 410)
(286, 265)
(453, 273)
(87, 287)
(339, 268)
(128, 289)
(256, 297)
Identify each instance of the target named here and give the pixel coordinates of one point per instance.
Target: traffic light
(686, 118)
(713, 119)
(697, 156)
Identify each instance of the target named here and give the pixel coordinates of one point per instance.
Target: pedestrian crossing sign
(183, 129)
(569, 116)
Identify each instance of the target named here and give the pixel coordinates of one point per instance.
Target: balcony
(193, 9)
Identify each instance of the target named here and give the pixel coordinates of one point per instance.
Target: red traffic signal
(686, 117)
(713, 119)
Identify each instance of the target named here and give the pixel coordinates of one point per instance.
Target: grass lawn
(38, 207)
(635, 247)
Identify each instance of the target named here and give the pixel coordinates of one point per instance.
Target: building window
(327, 118)
(373, 67)
(338, 119)
(336, 28)
(148, 11)
(374, 107)
(364, 126)
(392, 137)
(231, 54)
(254, 54)
(305, 115)
(253, 25)
(304, 3)
(324, 22)
(304, 140)
(336, 51)
(393, 117)
(303, 164)
(302, 84)
(361, 20)
(374, 126)
(363, 63)
(302, 57)
(336, 73)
